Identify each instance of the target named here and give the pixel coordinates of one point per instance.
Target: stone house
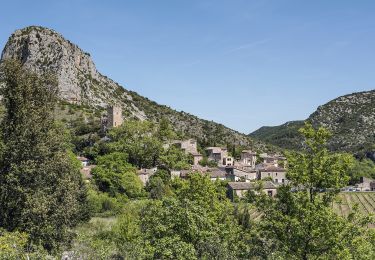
(273, 160)
(217, 154)
(365, 184)
(248, 158)
(217, 174)
(197, 157)
(372, 186)
(277, 174)
(244, 173)
(228, 161)
(189, 147)
(239, 189)
(269, 159)
(145, 174)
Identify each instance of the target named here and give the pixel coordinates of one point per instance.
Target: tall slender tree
(41, 189)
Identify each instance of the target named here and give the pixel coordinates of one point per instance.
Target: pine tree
(41, 190)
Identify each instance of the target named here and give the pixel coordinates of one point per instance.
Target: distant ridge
(351, 119)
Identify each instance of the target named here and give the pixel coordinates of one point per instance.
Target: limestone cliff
(41, 49)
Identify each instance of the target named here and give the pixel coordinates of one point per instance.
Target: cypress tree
(41, 190)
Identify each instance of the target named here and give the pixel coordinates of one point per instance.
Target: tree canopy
(41, 189)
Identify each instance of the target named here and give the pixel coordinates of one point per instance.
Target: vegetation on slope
(81, 83)
(285, 136)
(350, 118)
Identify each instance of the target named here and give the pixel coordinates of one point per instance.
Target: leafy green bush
(209, 163)
(100, 202)
(15, 245)
(114, 175)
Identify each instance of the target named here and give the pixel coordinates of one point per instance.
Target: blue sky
(241, 63)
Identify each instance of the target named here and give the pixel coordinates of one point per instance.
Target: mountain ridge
(350, 118)
(41, 49)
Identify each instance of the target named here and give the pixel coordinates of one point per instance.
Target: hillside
(351, 119)
(285, 135)
(42, 49)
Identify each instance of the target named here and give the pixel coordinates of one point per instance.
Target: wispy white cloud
(248, 45)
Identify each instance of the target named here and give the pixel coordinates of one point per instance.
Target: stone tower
(114, 118)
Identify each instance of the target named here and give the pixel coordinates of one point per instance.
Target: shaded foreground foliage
(41, 189)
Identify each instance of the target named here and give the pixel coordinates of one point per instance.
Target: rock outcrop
(44, 50)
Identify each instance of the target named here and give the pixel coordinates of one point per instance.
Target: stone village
(241, 173)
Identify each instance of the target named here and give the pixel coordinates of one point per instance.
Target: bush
(15, 245)
(100, 203)
(210, 163)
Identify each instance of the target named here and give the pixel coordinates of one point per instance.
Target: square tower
(114, 116)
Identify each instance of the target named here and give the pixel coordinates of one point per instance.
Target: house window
(276, 180)
(276, 174)
(270, 193)
(282, 180)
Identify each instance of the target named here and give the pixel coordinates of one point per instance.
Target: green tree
(174, 158)
(165, 131)
(41, 189)
(205, 162)
(139, 140)
(300, 223)
(197, 223)
(159, 184)
(362, 168)
(114, 175)
(15, 245)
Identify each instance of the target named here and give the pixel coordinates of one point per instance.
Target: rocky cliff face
(41, 49)
(351, 119)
